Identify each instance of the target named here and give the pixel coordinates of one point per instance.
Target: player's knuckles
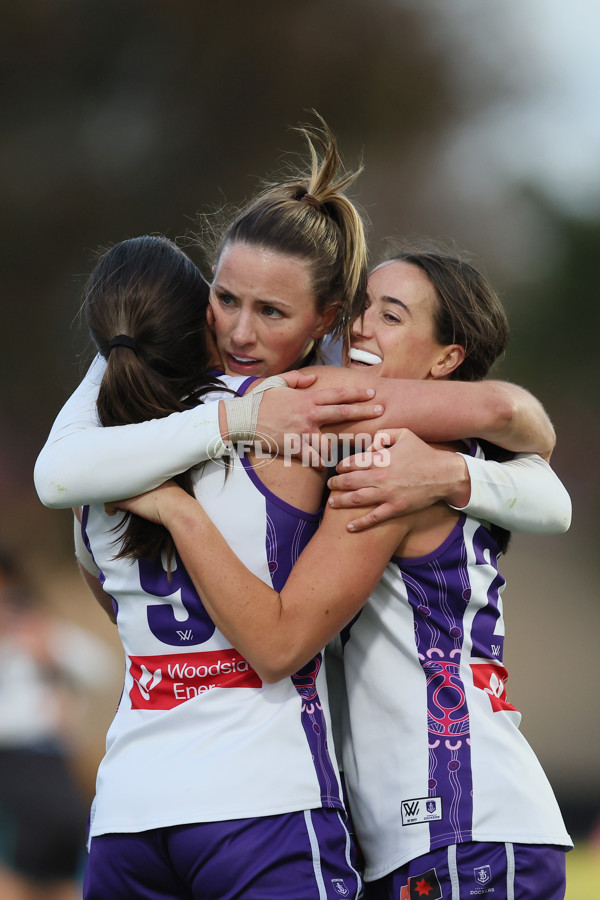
(365, 522)
(346, 465)
(342, 483)
(371, 518)
(359, 497)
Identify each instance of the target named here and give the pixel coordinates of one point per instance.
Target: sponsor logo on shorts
(421, 809)
(482, 874)
(422, 887)
(162, 682)
(339, 887)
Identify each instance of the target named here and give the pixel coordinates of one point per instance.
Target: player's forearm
(454, 479)
(438, 411)
(521, 423)
(82, 462)
(245, 609)
(501, 413)
(522, 495)
(279, 632)
(96, 465)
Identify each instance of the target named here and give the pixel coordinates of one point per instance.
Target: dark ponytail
(145, 305)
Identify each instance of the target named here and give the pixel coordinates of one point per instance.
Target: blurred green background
(477, 123)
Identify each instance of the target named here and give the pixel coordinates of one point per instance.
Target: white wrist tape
(242, 412)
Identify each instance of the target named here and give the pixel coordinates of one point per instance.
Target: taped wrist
(242, 412)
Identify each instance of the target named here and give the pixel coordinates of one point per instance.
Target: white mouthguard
(363, 356)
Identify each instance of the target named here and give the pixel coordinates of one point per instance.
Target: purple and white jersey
(432, 751)
(197, 736)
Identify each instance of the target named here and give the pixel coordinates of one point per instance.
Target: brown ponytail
(145, 305)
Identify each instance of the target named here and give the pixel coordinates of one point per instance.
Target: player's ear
(449, 360)
(325, 321)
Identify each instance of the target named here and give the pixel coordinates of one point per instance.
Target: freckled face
(395, 338)
(263, 310)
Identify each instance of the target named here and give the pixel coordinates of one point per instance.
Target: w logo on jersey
(186, 635)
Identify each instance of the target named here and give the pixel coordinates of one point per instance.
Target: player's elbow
(271, 675)
(273, 671)
(563, 511)
(48, 489)
(520, 422)
(279, 663)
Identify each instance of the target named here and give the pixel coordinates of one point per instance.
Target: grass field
(583, 873)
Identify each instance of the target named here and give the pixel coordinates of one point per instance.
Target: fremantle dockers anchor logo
(483, 874)
(339, 887)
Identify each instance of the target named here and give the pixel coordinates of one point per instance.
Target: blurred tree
(556, 316)
(555, 322)
(120, 119)
(126, 118)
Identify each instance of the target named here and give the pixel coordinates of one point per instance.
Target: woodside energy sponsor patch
(162, 682)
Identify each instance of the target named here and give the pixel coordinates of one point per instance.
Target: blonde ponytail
(307, 215)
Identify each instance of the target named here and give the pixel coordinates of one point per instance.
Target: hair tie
(123, 340)
(311, 200)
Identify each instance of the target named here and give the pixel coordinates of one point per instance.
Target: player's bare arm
(502, 413)
(276, 632)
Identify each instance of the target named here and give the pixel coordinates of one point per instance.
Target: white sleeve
(82, 462)
(523, 494)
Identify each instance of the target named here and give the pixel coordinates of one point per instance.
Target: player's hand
(154, 505)
(296, 378)
(398, 474)
(293, 420)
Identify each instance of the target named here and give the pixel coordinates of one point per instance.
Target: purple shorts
(477, 871)
(301, 856)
